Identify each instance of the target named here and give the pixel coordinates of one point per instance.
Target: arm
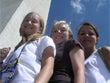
(47, 65)
(77, 59)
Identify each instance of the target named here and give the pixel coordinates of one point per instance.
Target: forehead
(61, 26)
(86, 27)
(32, 16)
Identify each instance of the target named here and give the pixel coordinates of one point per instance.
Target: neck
(89, 51)
(60, 44)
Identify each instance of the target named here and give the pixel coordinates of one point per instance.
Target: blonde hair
(58, 23)
(33, 36)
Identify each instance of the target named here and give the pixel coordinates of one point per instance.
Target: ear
(97, 40)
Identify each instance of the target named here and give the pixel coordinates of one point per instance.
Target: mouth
(27, 27)
(86, 41)
(59, 38)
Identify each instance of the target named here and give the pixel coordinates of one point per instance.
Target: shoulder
(45, 37)
(106, 50)
(46, 41)
(106, 53)
(72, 44)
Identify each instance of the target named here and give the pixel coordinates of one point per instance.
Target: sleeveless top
(63, 68)
(95, 69)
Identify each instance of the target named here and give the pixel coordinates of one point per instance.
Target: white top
(95, 69)
(30, 59)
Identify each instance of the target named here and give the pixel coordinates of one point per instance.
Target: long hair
(33, 36)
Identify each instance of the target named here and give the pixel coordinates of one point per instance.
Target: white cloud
(101, 3)
(77, 6)
(80, 8)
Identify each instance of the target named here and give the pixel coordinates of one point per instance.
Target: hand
(3, 53)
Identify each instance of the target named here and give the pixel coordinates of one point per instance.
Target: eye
(26, 20)
(34, 21)
(54, 31)
(91, 34)
(81, 34)
(63, 30)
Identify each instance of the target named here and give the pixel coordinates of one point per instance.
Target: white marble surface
(12, 13)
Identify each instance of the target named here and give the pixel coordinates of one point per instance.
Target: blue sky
(77, 11)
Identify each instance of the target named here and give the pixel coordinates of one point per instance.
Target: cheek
(52, 35)
(36, 28)
(80, 38)
(66, 34)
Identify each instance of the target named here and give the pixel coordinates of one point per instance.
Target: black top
(63, 72)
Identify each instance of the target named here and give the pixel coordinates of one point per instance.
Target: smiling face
(61, 32)
(87, 36)
(31, 25)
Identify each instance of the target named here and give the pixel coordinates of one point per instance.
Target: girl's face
(60, 34)
(31, 25)
(87, 37)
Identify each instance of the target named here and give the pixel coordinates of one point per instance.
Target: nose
(59, 31)
(29, 22)
(86, 34)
